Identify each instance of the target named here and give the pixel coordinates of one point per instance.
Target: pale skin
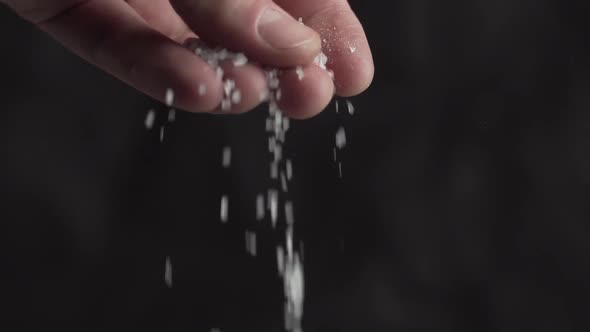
(140, 43)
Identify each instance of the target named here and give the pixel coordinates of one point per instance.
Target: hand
(139, 41)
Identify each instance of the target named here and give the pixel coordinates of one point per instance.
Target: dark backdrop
(464, 203)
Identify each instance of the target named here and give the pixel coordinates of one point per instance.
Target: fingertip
(305, 94)
(354, 72)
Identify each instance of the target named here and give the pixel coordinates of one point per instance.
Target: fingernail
(281, 31)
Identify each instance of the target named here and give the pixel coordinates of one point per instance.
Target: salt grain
(350, 107)
(168, 272)
(150, 118)
(273, 201)
(236, 96)
(251, 243)
(169, 97)
(224, 208)
(340, 138)
(171, 115)
(226, 159)
(240, 59)
(202, 89)
(300, 73)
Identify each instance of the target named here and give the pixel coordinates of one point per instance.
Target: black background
(464, 203)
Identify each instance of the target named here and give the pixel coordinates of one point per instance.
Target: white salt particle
(350, 107)
(228, 86)
(225, 105)
(278, 152)
(340, 138)
(280, 260)
(171, 115)
(259, 207)
(150, 118)
(300, 73)
(202, 89)
(219, 72)
(168, 272)
(337, 106)
(300, 20)
(169, 97)
(340, 170)
(236, 96)
(251, 243)
(240, 59)
(226, 159)
(224, 208)
(162, 134)
(335, 154)
(273, 200)
(352, 49)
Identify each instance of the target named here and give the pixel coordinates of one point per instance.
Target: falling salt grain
(273, 201)
(337, 106)
(169, 97)
(300, 20)
(350, 107)
(226, 159)
(251, 243)
(280, 260)
(162, 134)
(224, 208)
(168, 272)
(150, 118)
(340, 138)
(171, 115)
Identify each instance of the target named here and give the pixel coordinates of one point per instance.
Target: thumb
(259, 28)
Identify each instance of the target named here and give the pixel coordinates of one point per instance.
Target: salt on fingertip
(202, 89)
(300, 73)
